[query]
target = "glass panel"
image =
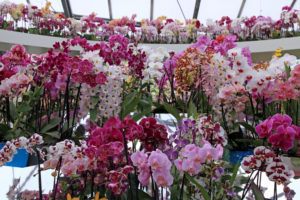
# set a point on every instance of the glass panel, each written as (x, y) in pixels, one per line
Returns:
(297, 5)
(216, 9)
(121, 8)
(16, 1)
(171, 9)
(271, 8)
(80, 7)
(55, 4)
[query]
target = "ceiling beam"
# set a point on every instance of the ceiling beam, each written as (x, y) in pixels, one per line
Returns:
(181, 10)
(196, 9)
(151, 9)
(110, 9)
(67, 8)
(293, 3)
(241, 8)
(70, 8)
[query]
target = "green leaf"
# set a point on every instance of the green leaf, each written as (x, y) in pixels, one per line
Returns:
(287, 71)
(295, 147)
(256, 191)
(12, 111)
(4, 128)
(138, 116)
(5, 25)
(53, 123)
(24, 108)
(247, 126)
(74, 176)
(295, 161)
(80, 131)
(172, 111)
(175, 192)
(235, 171)
(130, 107)
(226, 154)
(129, 104)
(192, 109)
(33, 30)
(95, 100)
(142, 195)
(54, 134)
(12, 134)
(93, 115)
(45, 31)
(200, 187)
(128, 99)
(145, 102)
(4, 131)
(254, 142)
(144, 85)
(28, 93)
(38, 91)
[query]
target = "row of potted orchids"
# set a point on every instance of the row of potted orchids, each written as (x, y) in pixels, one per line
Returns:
(93, 119)
(31, 19)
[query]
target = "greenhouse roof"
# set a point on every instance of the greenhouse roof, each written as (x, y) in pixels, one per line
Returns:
(175, 9)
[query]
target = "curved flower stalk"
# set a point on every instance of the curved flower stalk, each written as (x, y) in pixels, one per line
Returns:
(265, 160)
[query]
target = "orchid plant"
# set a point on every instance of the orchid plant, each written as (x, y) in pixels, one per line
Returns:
(91, 118)
(31, 19)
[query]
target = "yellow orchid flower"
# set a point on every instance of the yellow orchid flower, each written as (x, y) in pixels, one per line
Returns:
(46, 9)
(95, 14)
(16, 13)
(179, 22)
(143, 23)
(96, 196)
(278, 53)
(21, 6)
(189, 29)
(77, 198)
(58, 15)
(70, 198)
(162, 18)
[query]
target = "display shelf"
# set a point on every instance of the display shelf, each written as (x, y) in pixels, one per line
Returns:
(41, 43)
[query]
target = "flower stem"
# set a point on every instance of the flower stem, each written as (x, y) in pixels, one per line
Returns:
(127, 162)
(182, 187)
(58, 176)
(76, 106)
(247, 187)
(40, 176)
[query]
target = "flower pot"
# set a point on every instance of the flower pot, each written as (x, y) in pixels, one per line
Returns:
(20, 159)
(237, 156)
